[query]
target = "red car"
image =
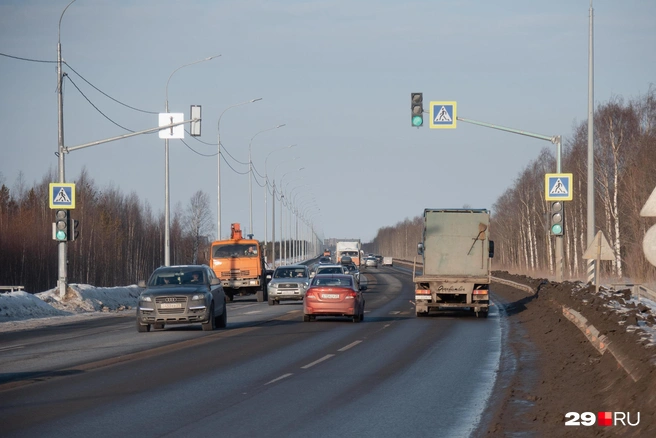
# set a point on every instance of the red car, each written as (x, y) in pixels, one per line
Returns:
(333, 295)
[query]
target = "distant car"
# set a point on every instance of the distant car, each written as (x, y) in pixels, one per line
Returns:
(182, 295)
(371, 262)
(288, 282)
(353, 270)
(325, 259)
(379, 258)
(333, 295)
(329, 269)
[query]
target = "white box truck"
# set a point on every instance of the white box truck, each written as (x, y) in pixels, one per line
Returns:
(350, 248)
(456, 252)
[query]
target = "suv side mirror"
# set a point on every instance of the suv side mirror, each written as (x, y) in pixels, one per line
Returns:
(420, 248)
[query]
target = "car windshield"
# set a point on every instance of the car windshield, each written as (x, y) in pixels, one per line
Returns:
(290, 273)
(164, 277)
(331, 270)
(333, 281)
(234, 250)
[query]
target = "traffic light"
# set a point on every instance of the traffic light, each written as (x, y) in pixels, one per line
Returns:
(61, 225)
(73, 232)
(557, 216)
(417, 109)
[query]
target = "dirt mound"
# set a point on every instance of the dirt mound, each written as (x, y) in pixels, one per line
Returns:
(567, 373)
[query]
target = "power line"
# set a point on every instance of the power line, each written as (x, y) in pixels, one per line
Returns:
(240, 162)
(27, 59)
(95, 107)
(196, 152)
(233, 169)
(107, 95)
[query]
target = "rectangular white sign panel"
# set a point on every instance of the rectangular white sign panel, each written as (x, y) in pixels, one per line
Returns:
(167, 119)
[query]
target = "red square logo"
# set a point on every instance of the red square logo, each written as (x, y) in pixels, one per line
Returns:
(605, 418)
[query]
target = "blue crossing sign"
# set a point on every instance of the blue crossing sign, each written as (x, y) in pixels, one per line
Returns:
(62, 195)
(558, 187)
(443, 114)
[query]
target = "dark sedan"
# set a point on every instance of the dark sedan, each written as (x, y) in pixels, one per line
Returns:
(182, 295)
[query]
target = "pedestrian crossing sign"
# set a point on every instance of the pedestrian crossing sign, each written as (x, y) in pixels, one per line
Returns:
(443, 115)
(62, 195)
(558, 187)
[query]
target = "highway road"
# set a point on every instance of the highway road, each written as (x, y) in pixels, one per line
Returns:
(267, 374)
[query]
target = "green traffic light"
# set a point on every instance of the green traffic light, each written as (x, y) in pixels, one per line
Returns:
(417, 120)
(61, 235)
(557, 229)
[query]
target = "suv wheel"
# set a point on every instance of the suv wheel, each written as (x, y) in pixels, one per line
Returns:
(209, 325)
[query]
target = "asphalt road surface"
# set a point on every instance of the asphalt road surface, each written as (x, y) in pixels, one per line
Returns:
(267, 374)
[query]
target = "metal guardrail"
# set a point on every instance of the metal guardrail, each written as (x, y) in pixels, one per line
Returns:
(11, 288)
(637, 290)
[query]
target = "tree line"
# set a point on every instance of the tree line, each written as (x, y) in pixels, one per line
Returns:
(121, 240)
(624, 177)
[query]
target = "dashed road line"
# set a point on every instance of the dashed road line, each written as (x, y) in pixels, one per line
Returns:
(284, 376)
(326, 357)
(351, 345)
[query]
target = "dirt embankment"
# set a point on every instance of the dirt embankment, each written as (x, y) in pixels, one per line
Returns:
(553, 367)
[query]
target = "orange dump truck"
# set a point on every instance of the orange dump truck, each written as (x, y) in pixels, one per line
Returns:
(239, 263)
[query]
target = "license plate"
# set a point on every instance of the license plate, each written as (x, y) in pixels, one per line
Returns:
(329, 296)
(170, 306)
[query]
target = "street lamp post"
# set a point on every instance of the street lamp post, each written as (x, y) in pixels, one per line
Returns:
(62, 254)
(266, 190)
(273, 204)
(297, 213)
(250, 176)
(167, 200)
(289, 203)
(218, 167)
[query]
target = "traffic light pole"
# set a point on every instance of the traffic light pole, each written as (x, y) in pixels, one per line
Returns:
(558, 142)
(62, 250)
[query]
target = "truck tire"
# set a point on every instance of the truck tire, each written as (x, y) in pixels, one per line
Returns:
(421, 314)
(260, 296)
(482, 314)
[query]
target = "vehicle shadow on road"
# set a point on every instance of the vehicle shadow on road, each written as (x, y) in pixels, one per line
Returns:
(35, 376)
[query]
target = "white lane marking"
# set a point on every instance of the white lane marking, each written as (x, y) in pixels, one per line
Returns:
(326, 357)
(284, 376)
(14, 347)
(252, 312)
(351, 345)
(395, 312)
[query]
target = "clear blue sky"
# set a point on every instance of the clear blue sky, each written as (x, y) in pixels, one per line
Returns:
(338, 73)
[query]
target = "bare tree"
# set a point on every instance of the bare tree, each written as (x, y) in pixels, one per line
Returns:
(198, 222)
